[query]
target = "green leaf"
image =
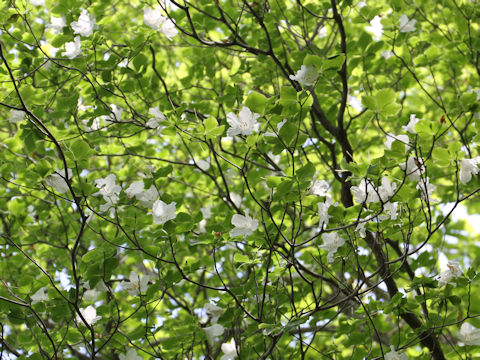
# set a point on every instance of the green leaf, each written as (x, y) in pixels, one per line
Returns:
(256, 102)
(81, 150)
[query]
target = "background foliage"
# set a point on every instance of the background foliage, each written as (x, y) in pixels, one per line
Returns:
(329, 272)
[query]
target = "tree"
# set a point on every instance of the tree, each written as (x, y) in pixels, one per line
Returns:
(239, 179)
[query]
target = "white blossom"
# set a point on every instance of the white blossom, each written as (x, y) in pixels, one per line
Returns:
(361, 229)
(244, 225)
(319, 187)
(89, 314)
(425, 187)
(57, 180)
(453, 271)
(306, 76)
(148, 197)
(116, 113)
(136, 284)
(16, 116)
(323, 211)
(213, 311)
(84, 25)
(393, 355)
(57, 24)
(387, 54)
(206, 211)
(413, 168)
(73, 48)
(468, 167)
(38, 2)
(386, 190)
(40, 295)
(392, 137)
(354, 102)
(229, 350)
(213, 331)
(331, 242)
(390, 211)
(236, 199)
(108, 188)
(376, 28)
(203, 164)
(130, 355)
(365, 192)
(322, 32)
(243, 124)
(134, 189)
(169, 29)
(153, 18)
(279, 127)
(469, 335)
(406, 25)
(162, 212)
(410, 127)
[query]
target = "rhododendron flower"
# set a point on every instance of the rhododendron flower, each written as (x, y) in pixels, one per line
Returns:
(89, 314)
(468, 167)
(453, 271)
(413, 168)
(84, 25)
(213, 331)
(469, 335)
(162, 212)
(73, 48)
(410, 127)
(393, 355)
(229, 350)
(130, 355)
(57, 180)
(331, 242)
(406, 25)
(306, 76)
(365, 192)
(137, 284)
(243, 124)
(392, 137)
(244, 225)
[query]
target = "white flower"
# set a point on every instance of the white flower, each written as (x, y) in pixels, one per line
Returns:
(153, 123)
(84, 25)
(16, 116)
(425, 187)
(156, 113)
(413, 168)
(376, 28)
(95, 124)
(469, 335)
(319, 187)
(162, 212)
(365, 192)
(73, 48)
(207, 212)
(38, 2)
(410, 127)
(323, 211)
(386, 190)
(57, 180)
(322, 32)
(236, 199)
(244, 225)
(244, 124)
(390, 211)
(213, 311)
(89, 314)
(468, 167)
(392, 137)
(57, 24)
(130, 355)
(40, 295)
(134, 189)
(387, 54)
(406, 25)
(108, 188)
(168, 29)
(116, 113)
(306, 76)
(153, 18)
(148, 197)
(393, 355)
(229, 350)
(354, 102)
(203, 164)
(361, 229)
(213, 331)
(81, 106)
(137, 284)
(453, 271)
(331, 242)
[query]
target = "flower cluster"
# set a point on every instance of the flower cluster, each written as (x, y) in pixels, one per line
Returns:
(154, 19)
